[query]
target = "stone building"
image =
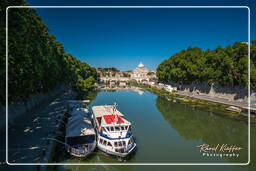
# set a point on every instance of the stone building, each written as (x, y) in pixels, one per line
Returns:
(142, 74)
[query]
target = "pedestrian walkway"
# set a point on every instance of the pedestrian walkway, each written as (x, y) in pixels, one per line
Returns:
(243, 105)
(27, 137)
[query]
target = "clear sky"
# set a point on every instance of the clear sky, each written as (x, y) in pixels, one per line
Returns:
(122, 38)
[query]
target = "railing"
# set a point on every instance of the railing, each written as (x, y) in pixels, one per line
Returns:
(82, 150)
(53, 139)
(124, 149)
(129, 147)
(128, 135)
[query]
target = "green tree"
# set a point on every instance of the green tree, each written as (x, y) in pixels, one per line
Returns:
(224, 66)
(36, 61)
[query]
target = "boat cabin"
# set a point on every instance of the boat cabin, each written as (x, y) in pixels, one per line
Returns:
(113, 131)
(110, 122)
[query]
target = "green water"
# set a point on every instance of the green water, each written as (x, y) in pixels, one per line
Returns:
(168, 132)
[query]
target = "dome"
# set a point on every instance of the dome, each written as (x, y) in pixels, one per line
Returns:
(141, 65)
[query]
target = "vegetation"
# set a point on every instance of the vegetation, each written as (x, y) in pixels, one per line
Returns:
(81, 76)
(108, 72)
(112, 69)
(224, 66)
(36, 61)
(126, 74)
(112, 72)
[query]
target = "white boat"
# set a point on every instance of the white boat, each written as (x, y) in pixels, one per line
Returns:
(80, 136)
(114, 135)
(234, 109)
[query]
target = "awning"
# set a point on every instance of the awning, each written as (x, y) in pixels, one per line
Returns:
(78, 124)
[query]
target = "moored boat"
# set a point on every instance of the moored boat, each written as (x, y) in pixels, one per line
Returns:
(234, 109)
(114, 135)
(80, 136)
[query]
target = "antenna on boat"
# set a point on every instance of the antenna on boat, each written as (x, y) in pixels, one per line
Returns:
(114, 111)
(114, 108)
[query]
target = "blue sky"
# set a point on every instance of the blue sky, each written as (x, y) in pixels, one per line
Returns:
(122, 38)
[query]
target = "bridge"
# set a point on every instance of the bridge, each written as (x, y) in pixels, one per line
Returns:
(123, 79)
(115, 79)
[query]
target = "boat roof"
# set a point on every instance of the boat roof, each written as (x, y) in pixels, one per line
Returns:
(111, 116)
(100, 111)
(78, 124)
(113, 120)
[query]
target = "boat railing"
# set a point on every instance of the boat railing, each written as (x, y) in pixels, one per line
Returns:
(129, 147)
(82, 149)
(124, 149)
(128, 135)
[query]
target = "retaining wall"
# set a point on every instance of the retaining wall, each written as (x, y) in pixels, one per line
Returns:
(236, 93)
(22, 107)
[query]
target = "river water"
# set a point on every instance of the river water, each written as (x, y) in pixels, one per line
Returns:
(169, 132)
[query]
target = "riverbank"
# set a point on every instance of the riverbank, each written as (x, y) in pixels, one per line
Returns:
(27, 136)
(20, 108)
(201, 102)
(242, 105)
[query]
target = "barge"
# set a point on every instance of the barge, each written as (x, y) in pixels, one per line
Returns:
(80, 136)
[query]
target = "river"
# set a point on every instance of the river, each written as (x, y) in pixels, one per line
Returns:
(169, 132)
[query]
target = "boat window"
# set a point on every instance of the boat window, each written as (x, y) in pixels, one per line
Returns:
(109, 144)
(126, 127)
(107, 128)
(104, 142)
(124, 143)
(101, 141)
(117, 128)
(119, 143)
(122, 127)
(129, 142)
(116, 150)
(115, 144)
(112, 128)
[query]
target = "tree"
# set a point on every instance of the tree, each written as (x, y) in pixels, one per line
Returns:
(36, 61)
(224, 66)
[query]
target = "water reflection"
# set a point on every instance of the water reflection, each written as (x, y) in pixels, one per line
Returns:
(175, 130)
(211, 129)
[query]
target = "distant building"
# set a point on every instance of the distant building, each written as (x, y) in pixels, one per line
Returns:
(139, 74)
(122, 84)
(142, 74)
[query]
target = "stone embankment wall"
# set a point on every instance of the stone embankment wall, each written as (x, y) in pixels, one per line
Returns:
(230, 93)
(22, 107)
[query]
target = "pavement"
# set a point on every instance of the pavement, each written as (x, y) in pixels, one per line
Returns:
(215, 99)
(27, 136)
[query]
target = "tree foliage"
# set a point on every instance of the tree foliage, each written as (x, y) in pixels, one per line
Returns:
(36, 61)
(224, 66)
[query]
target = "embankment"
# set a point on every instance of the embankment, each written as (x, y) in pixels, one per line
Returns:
(199, 103)
(20, 108)
(236, 93)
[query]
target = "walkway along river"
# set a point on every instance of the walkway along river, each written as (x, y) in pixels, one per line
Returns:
(168, 132)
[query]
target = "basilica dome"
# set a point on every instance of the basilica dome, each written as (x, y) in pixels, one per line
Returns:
(141, 65)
